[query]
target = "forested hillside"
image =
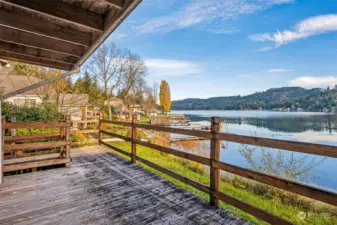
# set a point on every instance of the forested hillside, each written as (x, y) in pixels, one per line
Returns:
(286, 97)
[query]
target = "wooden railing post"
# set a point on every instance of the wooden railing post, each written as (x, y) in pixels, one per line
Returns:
(215, 155)
(13, 131)
(2, 147)
(133, 137)
(84, 115)
(62, 137)
(67, 135)
(100, 128)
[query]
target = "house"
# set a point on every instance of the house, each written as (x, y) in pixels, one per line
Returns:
(10, 83)
(72, 104)
(114, 102)
(67, 103)
(137, 109)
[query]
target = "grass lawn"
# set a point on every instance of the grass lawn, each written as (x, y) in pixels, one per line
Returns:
(322, 214)
(123, 131)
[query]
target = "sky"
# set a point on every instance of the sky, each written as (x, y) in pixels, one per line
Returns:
(208, 48)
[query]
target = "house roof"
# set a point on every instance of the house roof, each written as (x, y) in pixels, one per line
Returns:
(115, 102)
(59, 34)
(10, 83)
(115, 99)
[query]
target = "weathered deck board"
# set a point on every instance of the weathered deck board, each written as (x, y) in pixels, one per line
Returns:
(101, 188)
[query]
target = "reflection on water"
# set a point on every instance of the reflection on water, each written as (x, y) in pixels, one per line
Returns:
(276, 121)
(318, 128)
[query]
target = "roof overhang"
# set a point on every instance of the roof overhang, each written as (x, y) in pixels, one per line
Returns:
(60, 34)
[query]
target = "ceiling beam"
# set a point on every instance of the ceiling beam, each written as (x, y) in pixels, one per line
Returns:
(49, 44)
(116, 3)
(30, 51)
(65, 11)
(18, 18)
(109, 28)
(35, 60)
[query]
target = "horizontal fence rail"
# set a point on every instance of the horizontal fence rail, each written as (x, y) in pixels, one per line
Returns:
(308, 148)
(295, 187)
(42, 145)
(36, 137)
(91, 131)
(39, 150)
(35, 125)
(83, 121)
(183, 179)
(215, 137)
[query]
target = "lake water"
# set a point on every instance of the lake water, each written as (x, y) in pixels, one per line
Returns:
(320, 128)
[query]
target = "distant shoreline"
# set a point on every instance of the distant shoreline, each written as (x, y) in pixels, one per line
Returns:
(174, 110)
(282, 99)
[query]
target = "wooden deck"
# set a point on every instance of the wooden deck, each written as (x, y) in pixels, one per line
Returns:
(102, 188)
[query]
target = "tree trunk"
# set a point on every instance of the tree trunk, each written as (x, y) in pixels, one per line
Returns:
(108, 99)
(109, 108)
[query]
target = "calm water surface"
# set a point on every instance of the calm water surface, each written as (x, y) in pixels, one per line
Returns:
(308, 127)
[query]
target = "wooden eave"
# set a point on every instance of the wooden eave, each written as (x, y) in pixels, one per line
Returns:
(59, 34)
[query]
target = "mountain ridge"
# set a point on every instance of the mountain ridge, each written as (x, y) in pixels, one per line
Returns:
(315, 99)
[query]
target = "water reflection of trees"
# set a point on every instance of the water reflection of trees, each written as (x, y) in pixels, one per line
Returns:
(294, 124)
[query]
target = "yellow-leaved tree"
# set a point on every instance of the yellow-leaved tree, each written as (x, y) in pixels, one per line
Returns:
(165, 96)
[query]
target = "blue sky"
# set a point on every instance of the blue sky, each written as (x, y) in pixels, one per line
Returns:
(207, 48)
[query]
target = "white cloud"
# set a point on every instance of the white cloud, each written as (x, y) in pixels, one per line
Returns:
(198, 12)
(118, 36)
(166, 67)
(279, 70)
(304, 29)
(223, 31)
(314, 82)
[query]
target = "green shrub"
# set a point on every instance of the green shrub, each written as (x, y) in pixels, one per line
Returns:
(32, 131)
(45, 112)
(78, 138)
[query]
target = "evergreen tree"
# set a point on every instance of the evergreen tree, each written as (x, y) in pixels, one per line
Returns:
(89, 85)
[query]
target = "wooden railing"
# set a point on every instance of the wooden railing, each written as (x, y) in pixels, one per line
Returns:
(88, 117)
(33, 151)
(216, 165)
(85, 122)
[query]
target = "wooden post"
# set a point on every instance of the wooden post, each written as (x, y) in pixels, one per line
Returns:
(133, 136)
(67, 134)
(100, 128)
(13, 134)
(215, 155)
(13, 131)
(84, 115)
(2, 145)
(62, 137)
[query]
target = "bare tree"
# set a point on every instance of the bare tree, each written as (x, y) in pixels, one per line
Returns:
(107, 66)
(132, 79)
(155, 93)
(149, 104)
